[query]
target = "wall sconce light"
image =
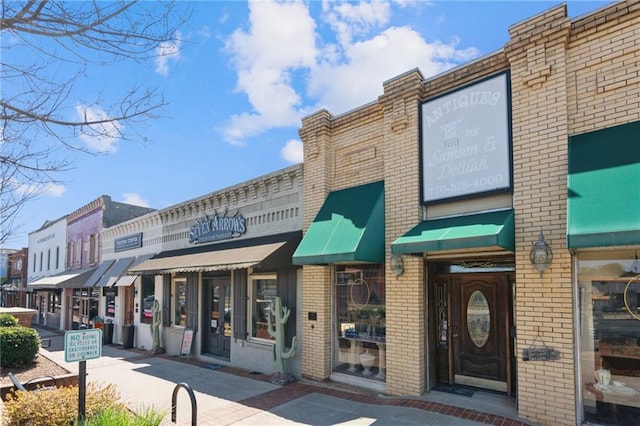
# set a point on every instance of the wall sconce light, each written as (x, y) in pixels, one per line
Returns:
(541, 254)
(397, 265)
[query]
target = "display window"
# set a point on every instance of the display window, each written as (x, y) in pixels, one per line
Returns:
(110, 293)
(608, 293)
(84, 307)
(263, 291)
(360, 330)
(179, 302)
(148, 297)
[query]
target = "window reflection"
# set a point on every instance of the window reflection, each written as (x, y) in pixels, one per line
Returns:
(361, 320)
(609, 284)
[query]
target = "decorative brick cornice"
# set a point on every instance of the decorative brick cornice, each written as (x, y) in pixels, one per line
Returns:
(314, 127)
(550, 26)
(98, 203)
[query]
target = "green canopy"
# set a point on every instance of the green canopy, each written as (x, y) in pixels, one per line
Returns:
(489, 230)
(348, 228)
(603, 206)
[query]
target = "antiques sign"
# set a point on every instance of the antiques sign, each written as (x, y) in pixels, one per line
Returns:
(216, 228)
(466, 141)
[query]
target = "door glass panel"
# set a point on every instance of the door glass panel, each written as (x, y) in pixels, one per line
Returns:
(478, 318)
(215, 309)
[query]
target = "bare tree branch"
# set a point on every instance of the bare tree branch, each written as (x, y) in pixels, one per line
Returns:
(48, 50)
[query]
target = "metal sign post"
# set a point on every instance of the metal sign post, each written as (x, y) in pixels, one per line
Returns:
(81, 345)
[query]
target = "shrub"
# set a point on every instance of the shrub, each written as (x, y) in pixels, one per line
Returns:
(58, 407)
(8, 320)
(122, 417)
(18, 345)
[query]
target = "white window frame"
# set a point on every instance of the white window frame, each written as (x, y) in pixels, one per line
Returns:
(251, 301)
(175, 282)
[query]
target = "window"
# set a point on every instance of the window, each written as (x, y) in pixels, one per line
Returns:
(79, 252)
(609, 297)
(148, 297)
(92, 249)
(57, 257)
(49, 260)
(360, 326)
(41, 256)
(69, 259)
(263, 291)
(110, 298)
(34, 262)
(179, 302)
(84, 308)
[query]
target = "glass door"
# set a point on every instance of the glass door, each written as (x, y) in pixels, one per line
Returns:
(218, 323)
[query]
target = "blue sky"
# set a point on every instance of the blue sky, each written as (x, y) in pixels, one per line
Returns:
(245, 75)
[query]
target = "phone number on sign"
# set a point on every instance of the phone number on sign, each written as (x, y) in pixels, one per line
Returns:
(466, 185)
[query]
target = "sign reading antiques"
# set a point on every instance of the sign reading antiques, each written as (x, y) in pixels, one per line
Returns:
(466, 141)
(217, 227)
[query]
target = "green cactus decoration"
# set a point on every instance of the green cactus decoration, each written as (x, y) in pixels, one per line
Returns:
(281, 315)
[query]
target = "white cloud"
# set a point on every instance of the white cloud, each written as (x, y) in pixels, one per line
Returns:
(293, 152)
(351, 19)
(49, 189)
(281, 39)
(365, 65)
(54, 189)
(168, 51)
(102, 137)
(135, 199)
(289, 66)
(205, 32)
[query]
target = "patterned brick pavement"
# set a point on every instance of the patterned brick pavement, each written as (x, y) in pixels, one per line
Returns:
(235, 412)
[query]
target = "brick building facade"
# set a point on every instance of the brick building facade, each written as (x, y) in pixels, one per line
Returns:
(462, 302)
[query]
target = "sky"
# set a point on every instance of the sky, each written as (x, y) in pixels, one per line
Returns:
(244, 74)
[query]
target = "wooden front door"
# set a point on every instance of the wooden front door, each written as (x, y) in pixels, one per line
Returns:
(480, 323)
(218, 321)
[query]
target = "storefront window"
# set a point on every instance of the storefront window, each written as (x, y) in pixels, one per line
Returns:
(263, 292)
(361, 321)
(609, 294)
(180, 302)
(84, 308)
(110, 294)
(148, 297)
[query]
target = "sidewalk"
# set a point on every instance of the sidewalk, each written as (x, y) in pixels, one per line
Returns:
(229, 396)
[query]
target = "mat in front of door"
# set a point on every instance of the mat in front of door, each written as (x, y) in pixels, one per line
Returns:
(212, 366)
(455, 389)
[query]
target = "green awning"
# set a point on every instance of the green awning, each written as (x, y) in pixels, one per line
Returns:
(348, 228)
(603, 206)
(492, 230)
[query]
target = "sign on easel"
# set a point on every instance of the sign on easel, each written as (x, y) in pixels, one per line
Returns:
(187, 339)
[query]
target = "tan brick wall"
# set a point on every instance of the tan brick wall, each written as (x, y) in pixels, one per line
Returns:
(406, 325)
(566, 78)
(543, 305)
(603, 69)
